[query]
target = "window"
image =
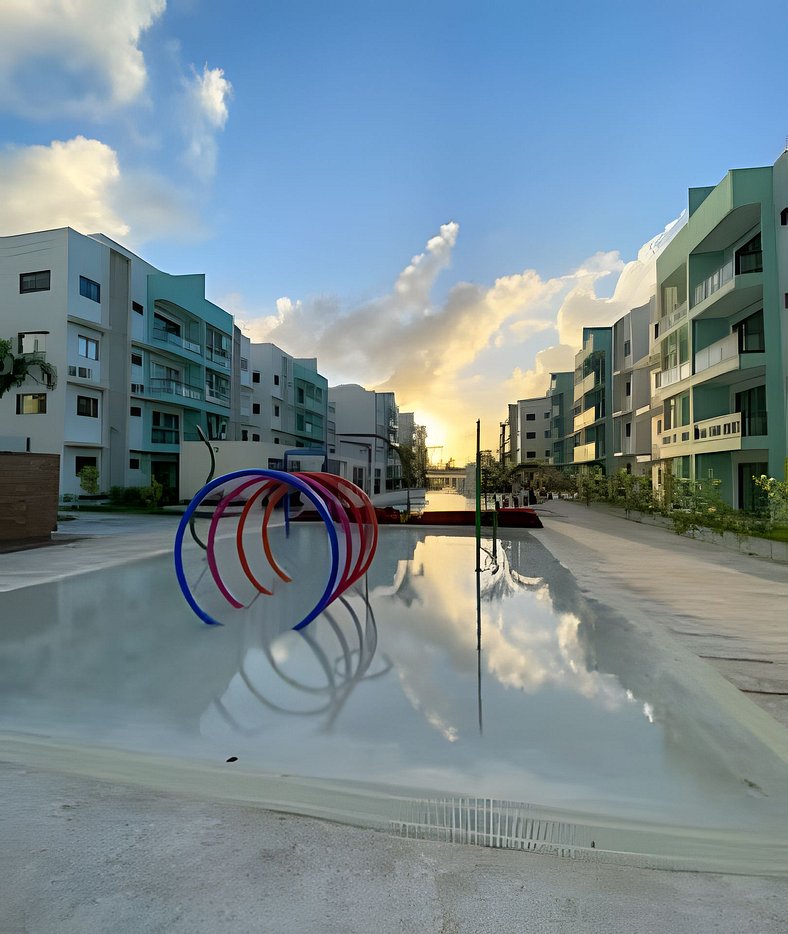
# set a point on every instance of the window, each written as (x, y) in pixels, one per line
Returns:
(88, 406)
(255, 437)
(750, 331)
(244, 434)
(627, 348)
(276, 379)
(135, 411)
(34, 403)
(88, 347)
(136, 359)
(752, 405)
(82, 462)
(244, 364)
(276, 411)
(530, 416)
(276, 440)
(784, 217)
(134, 463)
(300, 395)
(749, 257)
(89, 289)
(255, 376)
(546, 453)
(628, 430)
(34, 281)
(530, 434)
(530, 455)
(255, 408)
(546, 415)
(166, 427)
(135, 306)
(628, 387)
(547, 433)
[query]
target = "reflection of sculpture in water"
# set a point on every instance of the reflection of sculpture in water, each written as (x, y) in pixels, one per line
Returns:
(282, 691)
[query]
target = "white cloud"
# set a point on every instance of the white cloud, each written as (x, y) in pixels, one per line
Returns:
(68, 183)
(78, 183)
(205, 114)
(72, 57)
(462, 359)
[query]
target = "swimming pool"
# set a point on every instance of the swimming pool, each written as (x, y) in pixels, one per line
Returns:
(574, 730)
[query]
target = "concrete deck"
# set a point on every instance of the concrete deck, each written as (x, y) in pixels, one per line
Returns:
(79, 854)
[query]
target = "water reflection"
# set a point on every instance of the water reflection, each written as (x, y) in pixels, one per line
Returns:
(582, 708)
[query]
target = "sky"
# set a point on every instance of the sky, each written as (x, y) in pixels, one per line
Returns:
(431, 197)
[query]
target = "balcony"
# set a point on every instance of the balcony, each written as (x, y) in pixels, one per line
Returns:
(719, 434)
(219, 358)
(173, 387)
(175, 340)
(729, 291)
(665, 378)
(586, 418)
(725, 349)
(584, 453)
(217, 394)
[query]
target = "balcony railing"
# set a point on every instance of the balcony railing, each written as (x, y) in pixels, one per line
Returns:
(173, 387)
(217, 394)
(675, 374)
(584, 452)
(218, 357)
(676, 315)
(168, 337)
(715, 353)
(723, 426)
(712, 283)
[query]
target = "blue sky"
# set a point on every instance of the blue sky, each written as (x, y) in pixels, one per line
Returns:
(301, 154)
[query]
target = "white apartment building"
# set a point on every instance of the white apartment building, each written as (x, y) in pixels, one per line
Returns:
(142, 358)
(530, 437)
(364, 436)
(632, 392)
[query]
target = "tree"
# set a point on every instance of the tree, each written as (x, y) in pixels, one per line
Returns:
(16, 368)
(88, 480)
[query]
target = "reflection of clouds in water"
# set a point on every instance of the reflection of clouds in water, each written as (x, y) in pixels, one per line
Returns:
(526, 644)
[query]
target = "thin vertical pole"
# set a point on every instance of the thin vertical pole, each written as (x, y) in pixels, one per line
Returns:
(478, 496)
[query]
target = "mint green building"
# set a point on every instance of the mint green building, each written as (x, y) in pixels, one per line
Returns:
(593, 422)
(719, 338)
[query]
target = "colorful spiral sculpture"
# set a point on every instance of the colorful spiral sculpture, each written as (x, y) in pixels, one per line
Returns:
(345, 510)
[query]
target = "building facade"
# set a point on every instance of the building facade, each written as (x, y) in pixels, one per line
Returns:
(561, 396)
(593, 401)
(529, 432)
(719, 337)
(632, 392)
(142, 357)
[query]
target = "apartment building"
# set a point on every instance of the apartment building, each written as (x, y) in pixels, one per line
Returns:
(719, 336)
(143, 358)
(561, 396)
(365, 437)
(593, 400)
(529, 435)
(632, 392)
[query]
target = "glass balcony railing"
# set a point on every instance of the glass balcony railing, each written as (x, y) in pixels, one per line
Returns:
(173, 387)
(170, 337)
(714, 282)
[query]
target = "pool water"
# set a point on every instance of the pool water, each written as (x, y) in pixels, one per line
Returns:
(568, 707)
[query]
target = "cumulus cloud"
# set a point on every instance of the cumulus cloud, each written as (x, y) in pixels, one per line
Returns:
(68, 183)
(470, 355)
(73, 57)
(78, 183)
(205, 114)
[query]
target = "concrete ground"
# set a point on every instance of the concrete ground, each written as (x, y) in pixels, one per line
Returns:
(81, 855)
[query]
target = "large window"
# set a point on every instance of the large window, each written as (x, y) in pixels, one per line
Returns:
(752, 405)
(34, 403)
(88, 406)
(88, 347)
(34, 281)
(89, 289)
(749, 258)
(750, 333)
(166, 428)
